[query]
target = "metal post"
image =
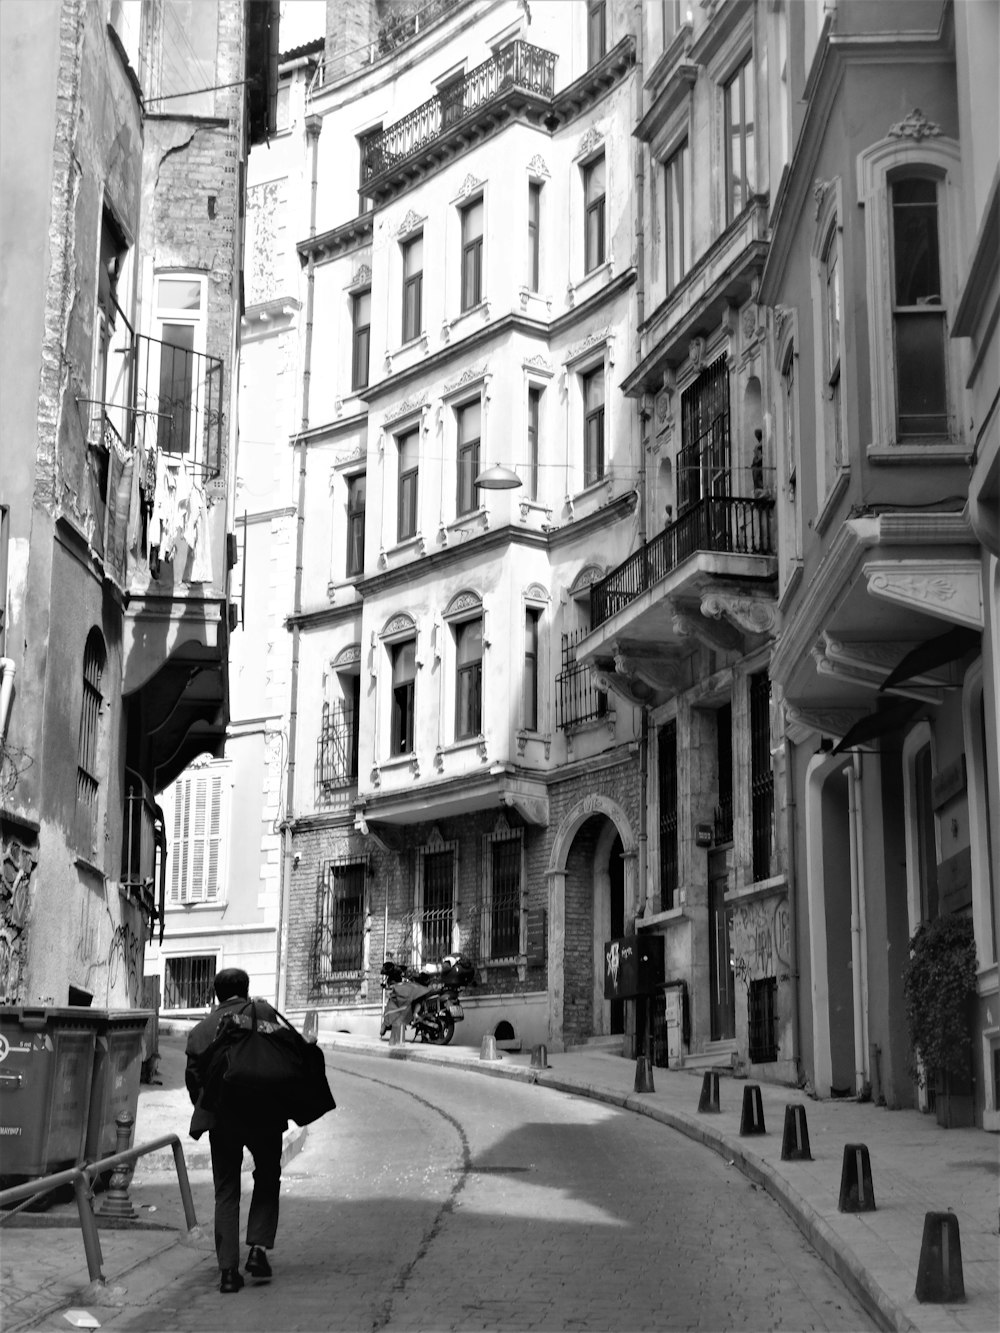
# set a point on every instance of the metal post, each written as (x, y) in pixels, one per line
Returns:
(88, 1225)
(180, 1165)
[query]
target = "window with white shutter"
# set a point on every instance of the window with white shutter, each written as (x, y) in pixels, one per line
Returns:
(196, 823)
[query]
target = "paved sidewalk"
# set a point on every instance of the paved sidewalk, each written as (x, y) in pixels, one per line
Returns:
(916, 1168)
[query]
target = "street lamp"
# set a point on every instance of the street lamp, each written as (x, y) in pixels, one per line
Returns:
(498, 478)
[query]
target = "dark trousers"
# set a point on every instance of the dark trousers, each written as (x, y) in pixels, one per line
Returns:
(228, 1142)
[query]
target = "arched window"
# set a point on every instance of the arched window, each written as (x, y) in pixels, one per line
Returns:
(88, 781)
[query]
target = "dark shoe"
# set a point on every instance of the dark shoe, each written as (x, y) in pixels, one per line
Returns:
(231, 1280)
(257, 1265)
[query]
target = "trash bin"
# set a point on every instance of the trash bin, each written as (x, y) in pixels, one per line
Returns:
(46, 1071)
(117, 1067)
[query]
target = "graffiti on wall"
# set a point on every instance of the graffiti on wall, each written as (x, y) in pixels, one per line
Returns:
(759, 938)
(16, 864)
(109, 950)
(125, 962)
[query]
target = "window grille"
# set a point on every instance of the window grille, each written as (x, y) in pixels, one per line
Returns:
(761, 775)
(577, 697)
(704, 460)
(189, 982)
(436, 917)
(341, 916)
(502, 912)
(337, 746)
(762, 1006)
(87, 780)
(667, 772)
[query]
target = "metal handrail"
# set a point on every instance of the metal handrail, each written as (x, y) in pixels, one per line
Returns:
(80, 1178)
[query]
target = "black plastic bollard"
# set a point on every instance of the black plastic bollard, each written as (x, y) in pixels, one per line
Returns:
(856, 1192)
(795, 1137)
(539, 1057)
(709, 1099)
(752, 1119)
(939, 1274)
(643, 1075)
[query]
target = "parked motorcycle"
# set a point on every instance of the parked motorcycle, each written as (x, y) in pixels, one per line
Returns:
(426, 1000)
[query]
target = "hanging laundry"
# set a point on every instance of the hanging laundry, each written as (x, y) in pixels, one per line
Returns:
(198, 536)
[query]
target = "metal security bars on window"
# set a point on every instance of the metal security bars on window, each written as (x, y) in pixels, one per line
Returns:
(339, 944)
(667, 773)
(87, 779)
(189, 982)
(436, 918)
(337, 747)
(761, 775)
(577, 697)
(762, 1005)
(502, 907)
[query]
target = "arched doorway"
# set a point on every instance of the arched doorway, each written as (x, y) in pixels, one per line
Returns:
(592, 897)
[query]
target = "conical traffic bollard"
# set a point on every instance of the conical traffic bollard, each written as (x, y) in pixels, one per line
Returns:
(795, 1138)
(643, 1075)
(539, 1057)
(752, 1119)
(939, 1274)
(857, 1195)
(709, 1099)
(488, 1050)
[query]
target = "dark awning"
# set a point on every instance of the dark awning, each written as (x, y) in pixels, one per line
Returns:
(878, 724)
(933, 653)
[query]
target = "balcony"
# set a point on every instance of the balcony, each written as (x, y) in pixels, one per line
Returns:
(719, 524)
(518, 80)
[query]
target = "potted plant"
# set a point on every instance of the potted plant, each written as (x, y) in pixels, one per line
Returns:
(939, 986)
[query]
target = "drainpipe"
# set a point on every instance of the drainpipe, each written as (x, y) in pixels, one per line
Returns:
(857, 941)
(793, 961)
(314, 124)
(640, 300)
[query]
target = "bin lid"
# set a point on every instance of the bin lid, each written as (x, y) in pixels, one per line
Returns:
(37, 1017)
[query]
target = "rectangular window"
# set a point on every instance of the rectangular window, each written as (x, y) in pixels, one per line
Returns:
(761, 775)
(761, 1014)
(404, 674)
(409, 445)
(534, 235)
(594, 186)
(741, 166)
(88, 781)
(188, 383)
(413, 286)
(593, 429)
(337, 747)
(919, 331)
(502, 909)
(703, 462)
(469, 679)
(677, 185)
(189, 983)
(469, 426)
(361, 319)
(667, 775)
(356, 493)
(194, 855)
(340, 928)
(532, 617)
(597, 34)
(534, 407)
(831, 334)
(437, 911)
(472, 255)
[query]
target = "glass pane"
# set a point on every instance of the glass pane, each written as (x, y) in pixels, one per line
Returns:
(413, 256)
(915, 242)
(408, 451)
(594, 180)
(178, 294)
(176, 387)
(404, 661)
(920, 373)
(749, 164)
(469, 642)
(472, 221)
(593, 391)
(357, 487)
(469, 422)
(363, 309)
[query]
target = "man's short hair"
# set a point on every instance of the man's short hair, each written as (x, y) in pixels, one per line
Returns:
(231, 983)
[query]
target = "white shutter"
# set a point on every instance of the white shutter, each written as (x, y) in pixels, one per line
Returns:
(213, 838)
(196, 853)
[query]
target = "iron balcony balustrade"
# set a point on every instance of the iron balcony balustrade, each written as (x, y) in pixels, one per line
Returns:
(474, 104)
(718, 523)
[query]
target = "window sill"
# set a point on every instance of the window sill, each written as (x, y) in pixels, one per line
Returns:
(89, 867)
(596, 277)
(666, 918)
(466, 743)
(761, 888)
(398, 761)
(185, 908)
(481, 308)
(924, 453)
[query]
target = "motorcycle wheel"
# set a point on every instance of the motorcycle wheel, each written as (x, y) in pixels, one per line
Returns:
(445, 1032)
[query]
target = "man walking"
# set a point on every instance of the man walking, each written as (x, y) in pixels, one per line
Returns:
(229, 1135)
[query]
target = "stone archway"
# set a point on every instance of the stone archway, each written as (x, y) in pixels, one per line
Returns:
(617, 824)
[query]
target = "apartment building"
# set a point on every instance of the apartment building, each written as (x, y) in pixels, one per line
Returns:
(457, 780)
(122, 221)
(879, 271)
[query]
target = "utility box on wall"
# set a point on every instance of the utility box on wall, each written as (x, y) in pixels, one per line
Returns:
(633, 965)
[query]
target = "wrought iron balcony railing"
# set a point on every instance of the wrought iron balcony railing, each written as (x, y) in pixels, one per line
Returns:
(578, 699)
(721, 523)
(518, 66)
